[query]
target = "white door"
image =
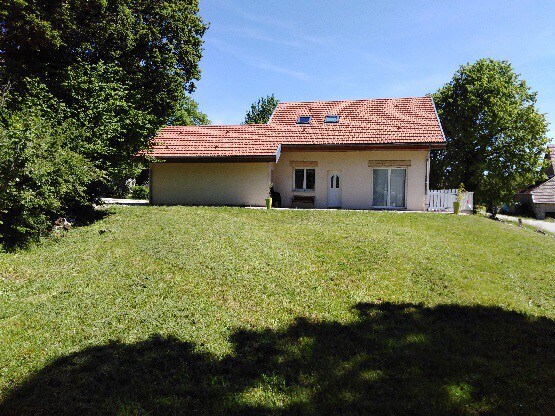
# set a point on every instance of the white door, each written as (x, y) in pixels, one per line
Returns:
(334, 189)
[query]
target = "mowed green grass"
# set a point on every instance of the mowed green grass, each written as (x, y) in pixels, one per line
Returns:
(191, 310)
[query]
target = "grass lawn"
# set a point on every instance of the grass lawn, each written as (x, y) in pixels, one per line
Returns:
(176, 310)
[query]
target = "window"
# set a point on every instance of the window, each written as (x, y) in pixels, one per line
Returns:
(303, 120)
(304, 179)
(331, 119)
(389, 187)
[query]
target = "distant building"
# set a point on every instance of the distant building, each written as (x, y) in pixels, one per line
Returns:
(541, 196)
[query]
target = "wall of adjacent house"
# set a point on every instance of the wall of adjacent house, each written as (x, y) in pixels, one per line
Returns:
(541, 210)
(356, 176)
(240, 184)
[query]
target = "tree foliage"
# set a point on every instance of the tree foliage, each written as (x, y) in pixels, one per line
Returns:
(121, 67)
(41, 178)
(495, 135)
(157, 44)
(102, 104)
(261, 111)
(188, 113)
(91, 81)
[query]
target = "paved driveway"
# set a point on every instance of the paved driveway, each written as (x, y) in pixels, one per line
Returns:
(118, 201)
(548, 227)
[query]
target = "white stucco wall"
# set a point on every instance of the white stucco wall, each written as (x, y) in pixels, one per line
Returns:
(356, 176)
(209, 183)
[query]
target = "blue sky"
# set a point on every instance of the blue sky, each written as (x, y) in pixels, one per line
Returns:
(318, 50)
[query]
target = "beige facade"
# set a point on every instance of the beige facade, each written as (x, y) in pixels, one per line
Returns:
(355, 171)
(240, 184)
(246, 184)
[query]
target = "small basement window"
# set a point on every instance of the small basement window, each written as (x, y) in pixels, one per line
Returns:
(303, 120)
(331, 119)
(304, 179)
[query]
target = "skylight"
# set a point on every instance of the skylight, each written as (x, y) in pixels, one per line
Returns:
(303, 120)
(331, 119)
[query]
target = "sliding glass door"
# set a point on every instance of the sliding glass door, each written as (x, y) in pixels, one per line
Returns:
(381, 187)
(397, 187)
(389, 188)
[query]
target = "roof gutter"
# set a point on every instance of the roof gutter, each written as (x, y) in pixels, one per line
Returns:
(215, 159)
(361, 146)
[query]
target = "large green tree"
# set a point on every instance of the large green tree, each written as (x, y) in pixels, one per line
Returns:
(495, 134)
(113, 127)
(188, 114)
(156, 43)
(90, 81)
(261, 111)
(122, 68)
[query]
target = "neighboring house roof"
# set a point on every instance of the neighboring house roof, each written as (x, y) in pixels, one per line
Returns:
(391, 121)
(543, 193)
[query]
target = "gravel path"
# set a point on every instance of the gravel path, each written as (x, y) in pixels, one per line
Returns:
(548, 227)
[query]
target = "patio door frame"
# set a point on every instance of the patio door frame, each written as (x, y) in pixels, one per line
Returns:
(388, 206)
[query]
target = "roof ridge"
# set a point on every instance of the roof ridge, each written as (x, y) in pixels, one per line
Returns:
(213, 125)
(356, 99)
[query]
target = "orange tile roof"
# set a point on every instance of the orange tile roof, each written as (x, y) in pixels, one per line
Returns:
(363, 122)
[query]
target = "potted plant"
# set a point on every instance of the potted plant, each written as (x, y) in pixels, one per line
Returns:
(269, 198)
(457, 203)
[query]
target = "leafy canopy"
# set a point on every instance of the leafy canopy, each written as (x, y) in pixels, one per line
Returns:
(261, 111)
(157, 45)
(102, 103)
(495, 135)
(90, 81)
(122, 68)
(188, 114)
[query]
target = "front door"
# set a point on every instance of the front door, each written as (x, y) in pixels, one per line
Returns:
(334, 189)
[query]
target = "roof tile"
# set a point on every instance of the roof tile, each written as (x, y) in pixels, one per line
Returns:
(377, 121)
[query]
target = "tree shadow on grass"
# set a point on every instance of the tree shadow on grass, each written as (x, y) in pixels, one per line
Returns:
(395, 359)
(78, 218)
(90, 215)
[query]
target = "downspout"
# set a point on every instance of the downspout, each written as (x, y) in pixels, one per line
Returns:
(150, 183)
(428, 162)
(427, 181)
(430, 150)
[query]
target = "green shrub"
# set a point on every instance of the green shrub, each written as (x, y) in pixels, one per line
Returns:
(480, 209)
(139, 192)
(40, 177)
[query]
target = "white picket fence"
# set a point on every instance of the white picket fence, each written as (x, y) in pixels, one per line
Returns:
(442, 200)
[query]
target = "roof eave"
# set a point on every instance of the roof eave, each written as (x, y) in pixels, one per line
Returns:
(363, 146)
(215, 159)
(437, 117)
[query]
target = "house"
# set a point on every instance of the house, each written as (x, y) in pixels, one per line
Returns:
(358, 154)
(540, 198)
